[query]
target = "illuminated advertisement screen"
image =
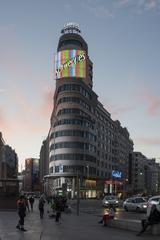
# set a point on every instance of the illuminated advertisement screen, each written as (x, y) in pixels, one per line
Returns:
(70, 63)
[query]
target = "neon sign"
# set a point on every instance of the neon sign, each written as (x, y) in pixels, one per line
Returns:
(116, 174)
(70, 63)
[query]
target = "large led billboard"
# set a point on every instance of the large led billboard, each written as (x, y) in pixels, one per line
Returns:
(70, 63)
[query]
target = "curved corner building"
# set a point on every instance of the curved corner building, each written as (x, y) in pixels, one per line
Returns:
(82, 137)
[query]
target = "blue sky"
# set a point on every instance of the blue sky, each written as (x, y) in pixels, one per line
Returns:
(123, 39)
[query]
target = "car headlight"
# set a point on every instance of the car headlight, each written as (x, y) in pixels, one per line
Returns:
(106, 202)
(145, 206)
(116, 201)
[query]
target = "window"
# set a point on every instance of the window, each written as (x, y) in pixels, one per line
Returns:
(80, 145)
(71, 42)
(74, 156)
(74, 87)
(74, 100)
(80, 122)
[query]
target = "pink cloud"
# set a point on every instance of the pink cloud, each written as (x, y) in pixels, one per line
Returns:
(47, 104)
(4, 124)
(31, 117)
(148, 141)
(147, 99)
(26, 116)
(151, 4)
(153, 104)
(117, 111)
(12, 57)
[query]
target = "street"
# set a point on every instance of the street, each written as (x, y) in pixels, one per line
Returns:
(85, 226)
(94, 207)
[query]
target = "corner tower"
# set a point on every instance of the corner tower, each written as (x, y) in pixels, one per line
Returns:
(72, 58)
(72, 140)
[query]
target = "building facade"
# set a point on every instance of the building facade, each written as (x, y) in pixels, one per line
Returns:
(2, 157)
(8, 161)
(31, 176)
(44, 160)
(145, 175)
(87, 149)
(11, 160)
(9, 185)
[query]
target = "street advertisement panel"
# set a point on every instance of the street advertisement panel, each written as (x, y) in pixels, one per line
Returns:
(70, 63)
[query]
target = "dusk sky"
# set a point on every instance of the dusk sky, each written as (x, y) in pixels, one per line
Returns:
(123, 38)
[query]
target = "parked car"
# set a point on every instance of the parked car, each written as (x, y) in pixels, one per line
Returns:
(137, 204)
(152, 200)
(110, 199)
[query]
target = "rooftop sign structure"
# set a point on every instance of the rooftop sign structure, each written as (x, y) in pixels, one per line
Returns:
(71, 28)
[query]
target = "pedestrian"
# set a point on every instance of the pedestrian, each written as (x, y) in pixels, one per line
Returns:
(41, 206)
(31, 201)
(21, 207)
(26, 202)
(153, 218)
(110, 214)
(58, 208)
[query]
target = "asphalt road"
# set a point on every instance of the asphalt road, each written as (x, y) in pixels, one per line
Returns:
(94, 207)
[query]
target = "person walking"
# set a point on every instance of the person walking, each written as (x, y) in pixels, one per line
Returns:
(31, 201)
(41, 206)
(153, 218)
(58, 209)
(26, 202)
(21, 207)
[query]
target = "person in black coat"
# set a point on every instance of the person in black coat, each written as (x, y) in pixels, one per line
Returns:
(31, 201)
(41, 206)
(21, 207)
(153, 218)
(58, 209)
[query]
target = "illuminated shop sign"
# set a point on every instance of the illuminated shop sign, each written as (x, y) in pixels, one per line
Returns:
(116, 174)
(70, 63)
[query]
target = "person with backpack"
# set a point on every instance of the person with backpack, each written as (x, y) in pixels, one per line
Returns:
(41, 206)
(21, 207)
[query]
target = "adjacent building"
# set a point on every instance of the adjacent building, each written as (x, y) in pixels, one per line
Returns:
(31, 175)
(9, 185)
(44, 161)
(2, 156)
(8, 161)
(145, 175)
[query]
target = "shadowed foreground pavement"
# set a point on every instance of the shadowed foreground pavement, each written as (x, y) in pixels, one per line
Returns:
(83, 227)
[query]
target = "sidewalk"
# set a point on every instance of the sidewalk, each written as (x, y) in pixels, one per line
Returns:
(73, 227)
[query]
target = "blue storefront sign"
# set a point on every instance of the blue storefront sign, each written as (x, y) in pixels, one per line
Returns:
(116, 174)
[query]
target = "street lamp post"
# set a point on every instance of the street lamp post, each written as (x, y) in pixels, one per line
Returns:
(78, 193)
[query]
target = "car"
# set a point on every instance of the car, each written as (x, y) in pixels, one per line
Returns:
(151, 201)
(137, 204)
(110, 200)
(154, 200)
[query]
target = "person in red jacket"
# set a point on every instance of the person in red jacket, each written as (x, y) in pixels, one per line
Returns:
(108, 215)
(21, 207)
